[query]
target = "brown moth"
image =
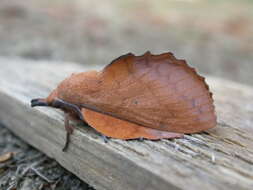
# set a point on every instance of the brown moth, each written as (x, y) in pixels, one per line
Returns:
(148, 96)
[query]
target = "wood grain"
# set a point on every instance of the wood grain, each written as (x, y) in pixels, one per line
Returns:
(221, 158)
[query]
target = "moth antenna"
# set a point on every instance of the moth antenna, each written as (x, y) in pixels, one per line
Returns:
(38, 102)
(58, 103)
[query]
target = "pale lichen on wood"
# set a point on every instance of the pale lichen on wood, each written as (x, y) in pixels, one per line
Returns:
(221, 158)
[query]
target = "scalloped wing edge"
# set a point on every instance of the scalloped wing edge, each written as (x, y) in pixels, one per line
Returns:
(181, 62)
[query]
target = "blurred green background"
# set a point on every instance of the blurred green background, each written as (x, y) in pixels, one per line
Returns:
(214, 36)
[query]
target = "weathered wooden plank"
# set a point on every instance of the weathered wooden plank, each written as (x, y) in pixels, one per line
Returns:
(221, 158)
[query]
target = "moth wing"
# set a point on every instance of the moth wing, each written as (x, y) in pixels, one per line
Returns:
(116, 128)
(157, 91)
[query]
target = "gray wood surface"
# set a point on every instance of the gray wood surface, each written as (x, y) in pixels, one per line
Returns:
(221, 158)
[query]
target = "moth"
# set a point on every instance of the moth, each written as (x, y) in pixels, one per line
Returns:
(148, 96)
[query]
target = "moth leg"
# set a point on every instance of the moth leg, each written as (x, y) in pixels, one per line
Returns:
(105, 138)
(69, 130)
(141, 139)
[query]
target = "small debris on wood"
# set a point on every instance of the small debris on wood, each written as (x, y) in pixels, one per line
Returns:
(213, 158)
(23, 167)
(5, 157)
